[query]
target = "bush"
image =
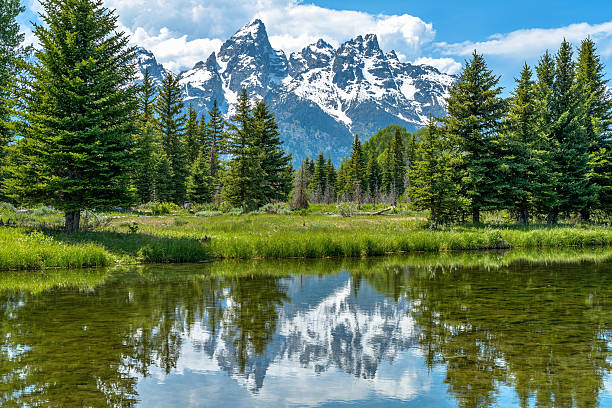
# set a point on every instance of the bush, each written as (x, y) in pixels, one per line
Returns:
(44, 210)
(179, 222)
(8, 207)
(275, 208)
(208, 213)
(164, 208)
(236, 211)
(347, 209)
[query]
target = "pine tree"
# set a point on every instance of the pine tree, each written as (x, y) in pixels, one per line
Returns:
(215, 139)
(199, 183)
(275, 163)
(546, 197)
(170, 124)
(163, 191)
(520, 144)
(243, 182)
(319, 178)
(81, 111)
(374, 177)
(330, 185)
(356, 180)
(192, 137)
(475, 109)
(146, 151)
(598, 123)
(300, 197)
(434, 188)
(572, 158)
(397, 166)
(11, 56)
(146, 97)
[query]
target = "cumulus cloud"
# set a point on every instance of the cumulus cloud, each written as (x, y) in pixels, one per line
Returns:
(183, 32)
(530, 43)
(447, 65)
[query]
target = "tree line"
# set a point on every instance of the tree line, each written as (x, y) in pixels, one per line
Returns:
(543, 153)
(78, 134)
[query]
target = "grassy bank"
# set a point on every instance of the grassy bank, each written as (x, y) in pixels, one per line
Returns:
(129, 239)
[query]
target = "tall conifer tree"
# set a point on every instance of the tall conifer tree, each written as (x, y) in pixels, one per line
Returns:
(81, 111)
(171, 127)
(215, 139)
(575, 190)
(598, 122)
(274, 162)
(192, 137)
(475, 109)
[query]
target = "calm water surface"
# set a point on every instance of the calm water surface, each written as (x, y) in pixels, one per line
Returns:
(389, 332)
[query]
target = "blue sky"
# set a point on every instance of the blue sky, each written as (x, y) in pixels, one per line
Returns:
(442, 33)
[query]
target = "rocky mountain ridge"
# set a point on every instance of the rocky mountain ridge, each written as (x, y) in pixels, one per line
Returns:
(321, 96)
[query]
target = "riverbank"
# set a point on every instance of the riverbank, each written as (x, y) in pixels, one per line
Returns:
(129, 239)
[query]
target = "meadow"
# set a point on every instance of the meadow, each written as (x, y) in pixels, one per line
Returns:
(36, 241)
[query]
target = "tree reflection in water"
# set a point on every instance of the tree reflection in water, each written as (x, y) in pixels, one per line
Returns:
(543, 330)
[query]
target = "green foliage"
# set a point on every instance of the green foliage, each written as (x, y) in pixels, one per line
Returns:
(75, 152)
(170, 124)
(193, 139)
(164, 208)
(475, 110)
(214, 138)
(346, 209)
(275, 208)
(199, 182)
(432, 176)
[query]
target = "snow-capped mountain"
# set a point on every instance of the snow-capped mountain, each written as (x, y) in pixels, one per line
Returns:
(321, 96)
(145, 60)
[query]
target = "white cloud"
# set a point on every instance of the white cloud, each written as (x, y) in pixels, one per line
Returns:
(447, 65)
(530, 43)
(183, 32)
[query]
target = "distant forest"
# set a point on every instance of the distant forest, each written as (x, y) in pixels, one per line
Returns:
(79, 134)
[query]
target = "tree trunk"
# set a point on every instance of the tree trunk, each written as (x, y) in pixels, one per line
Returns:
(585, 215)
(73, 221)
(553, 217)
(524, 216)
(476, 216)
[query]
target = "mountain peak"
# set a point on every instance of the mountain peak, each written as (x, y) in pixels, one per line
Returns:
(255, 29)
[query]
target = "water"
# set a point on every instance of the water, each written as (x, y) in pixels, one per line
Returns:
(390, 332)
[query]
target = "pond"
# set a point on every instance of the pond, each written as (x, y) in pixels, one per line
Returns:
(467, 330)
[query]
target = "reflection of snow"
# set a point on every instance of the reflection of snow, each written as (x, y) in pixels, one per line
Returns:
(340, 344)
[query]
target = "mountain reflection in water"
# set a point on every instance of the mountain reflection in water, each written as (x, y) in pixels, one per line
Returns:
(311, 333)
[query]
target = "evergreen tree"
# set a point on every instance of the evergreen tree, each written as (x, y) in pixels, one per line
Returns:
(146, 98)
(475, 109)
(170, 126)
(356, 180)
(319, 178)
(520, 144)
(199, 182)
(192, 135)
(214, 138)
(300, 197)
(75, 153)
(397, 166)
(575, 191)
(274, 162)
(244, 180)
(546, 197)
(11, 55)
(163, 190)
(330, 185)
(434, 188)
(146, 151)
(598, 123)
(374, 177)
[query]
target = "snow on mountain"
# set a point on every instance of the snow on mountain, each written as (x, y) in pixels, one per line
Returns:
(321, 96)
(145, 60)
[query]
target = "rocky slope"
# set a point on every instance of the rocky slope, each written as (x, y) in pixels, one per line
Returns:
(321, 96)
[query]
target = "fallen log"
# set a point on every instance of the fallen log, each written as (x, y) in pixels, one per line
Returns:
(377, 212)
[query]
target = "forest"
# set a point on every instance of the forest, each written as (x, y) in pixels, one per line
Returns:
(80, 133)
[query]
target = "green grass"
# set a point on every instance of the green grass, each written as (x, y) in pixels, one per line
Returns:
(21, 249)
(317, 236)
(131, 239)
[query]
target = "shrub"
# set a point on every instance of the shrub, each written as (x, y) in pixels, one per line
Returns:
(44, 210)
(236, 211)
(179, 222)
(275, 208)
(164, 208)
(208, 213)
(346, 209)
(8, 207)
